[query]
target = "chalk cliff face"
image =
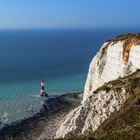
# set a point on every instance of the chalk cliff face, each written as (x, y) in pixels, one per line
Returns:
(116, 58)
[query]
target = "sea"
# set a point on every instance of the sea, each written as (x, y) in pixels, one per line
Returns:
(60, 57)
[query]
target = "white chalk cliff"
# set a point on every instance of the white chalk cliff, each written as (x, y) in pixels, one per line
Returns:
(116, 58)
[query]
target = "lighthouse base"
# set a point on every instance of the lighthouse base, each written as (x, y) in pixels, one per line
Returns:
(44, 94)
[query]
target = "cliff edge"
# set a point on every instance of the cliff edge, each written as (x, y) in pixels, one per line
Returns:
(116, 59)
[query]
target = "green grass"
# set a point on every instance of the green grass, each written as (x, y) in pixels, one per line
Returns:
(124, 37)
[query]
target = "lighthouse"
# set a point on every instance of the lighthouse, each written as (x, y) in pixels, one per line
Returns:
(42, 90)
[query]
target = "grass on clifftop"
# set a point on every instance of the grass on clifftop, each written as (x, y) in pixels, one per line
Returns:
(124, 124)
(124, 37)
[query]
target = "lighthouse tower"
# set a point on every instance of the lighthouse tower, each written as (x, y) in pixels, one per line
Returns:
(42, 90)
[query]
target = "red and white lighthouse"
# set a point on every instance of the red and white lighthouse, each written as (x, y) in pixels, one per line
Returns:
(42, 90)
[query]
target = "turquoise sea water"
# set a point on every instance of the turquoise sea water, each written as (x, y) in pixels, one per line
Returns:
(59, 56)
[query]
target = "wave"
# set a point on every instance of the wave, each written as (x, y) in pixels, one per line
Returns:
(4, 119)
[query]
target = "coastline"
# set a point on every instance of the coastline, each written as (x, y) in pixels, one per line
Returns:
(42, 125)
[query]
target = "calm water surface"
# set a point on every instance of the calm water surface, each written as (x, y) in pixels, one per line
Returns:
(59, 56)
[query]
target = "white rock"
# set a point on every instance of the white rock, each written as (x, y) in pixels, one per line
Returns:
(95, 108)
(91, 113)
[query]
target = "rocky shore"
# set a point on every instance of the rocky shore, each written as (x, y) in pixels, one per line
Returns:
(43, 125)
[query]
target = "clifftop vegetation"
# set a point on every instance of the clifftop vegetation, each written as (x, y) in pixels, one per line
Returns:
(123, 37)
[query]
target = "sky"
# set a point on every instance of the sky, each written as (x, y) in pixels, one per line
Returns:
(69, 13)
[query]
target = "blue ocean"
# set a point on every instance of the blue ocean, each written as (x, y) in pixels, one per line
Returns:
(60, 57)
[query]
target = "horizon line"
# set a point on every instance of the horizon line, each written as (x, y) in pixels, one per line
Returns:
(5, 28)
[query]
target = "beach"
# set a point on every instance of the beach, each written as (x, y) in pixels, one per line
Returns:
(43, 125)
